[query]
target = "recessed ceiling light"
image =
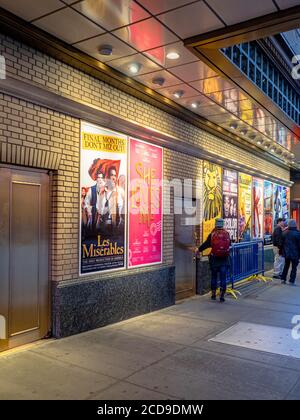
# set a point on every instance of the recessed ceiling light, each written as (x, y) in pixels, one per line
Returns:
(266, 146)
(233, 125)
(134, 68)
(194, 105)
(178, 93)
(105, 49)
(244, 131)
(272, 150)
(258, 142)
(173, 55)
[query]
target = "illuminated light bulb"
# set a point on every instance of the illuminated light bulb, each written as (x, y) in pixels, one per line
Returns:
(173, 55)
(134, 68)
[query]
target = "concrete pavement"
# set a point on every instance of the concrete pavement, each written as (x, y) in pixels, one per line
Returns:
(163, 355)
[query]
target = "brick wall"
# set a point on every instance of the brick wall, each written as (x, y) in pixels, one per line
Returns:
(23, 123)
(26, 63)
(25, 126)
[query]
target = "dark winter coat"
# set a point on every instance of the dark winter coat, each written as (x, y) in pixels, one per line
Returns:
(277, 236)
(291, 244)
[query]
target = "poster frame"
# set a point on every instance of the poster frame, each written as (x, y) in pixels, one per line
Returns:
(255, 178)
(162, 203)
(110, 270)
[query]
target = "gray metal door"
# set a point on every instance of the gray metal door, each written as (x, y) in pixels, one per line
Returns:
(24, 285)
(185, 243)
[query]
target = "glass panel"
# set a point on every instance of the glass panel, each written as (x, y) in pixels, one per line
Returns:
(258, 77)
(245, 47)
(251, 72)
(265, 66)
(264, 84)
(236, 55)
(252, 51)
(244, 64)
(270, 89)
(271, 71)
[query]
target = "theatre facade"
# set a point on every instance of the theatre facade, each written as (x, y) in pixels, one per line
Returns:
(105, 194)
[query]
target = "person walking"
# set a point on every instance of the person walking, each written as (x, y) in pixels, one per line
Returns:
(277, 242)
(219, 242)
(291, 251)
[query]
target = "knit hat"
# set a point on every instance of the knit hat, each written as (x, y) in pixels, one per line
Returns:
(292, 223)
(220, 223)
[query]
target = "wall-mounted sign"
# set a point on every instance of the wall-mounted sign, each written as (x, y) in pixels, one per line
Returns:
(103, 173)
(277, 205)
(230, 202)
(258, 209)
(145, 204)
(245, 209)
(212, 198)
(285, 203)
(268, 211)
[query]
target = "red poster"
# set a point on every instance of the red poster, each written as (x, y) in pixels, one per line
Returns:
(145, 204)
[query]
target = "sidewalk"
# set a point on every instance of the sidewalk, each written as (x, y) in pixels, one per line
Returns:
(163, 355)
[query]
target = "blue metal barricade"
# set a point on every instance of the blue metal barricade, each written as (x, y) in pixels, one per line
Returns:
(247, 262)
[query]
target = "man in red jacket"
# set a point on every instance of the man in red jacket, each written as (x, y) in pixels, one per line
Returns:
(219, 242)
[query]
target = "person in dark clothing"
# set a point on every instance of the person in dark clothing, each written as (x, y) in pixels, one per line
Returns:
(219, 241)
(291, 251)
(277, 239)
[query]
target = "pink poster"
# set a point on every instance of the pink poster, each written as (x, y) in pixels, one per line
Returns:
(145, 204)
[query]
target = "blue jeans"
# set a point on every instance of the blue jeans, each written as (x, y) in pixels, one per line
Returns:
(222, 269)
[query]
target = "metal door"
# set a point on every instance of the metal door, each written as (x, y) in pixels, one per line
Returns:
(24, 285)
(186, 234)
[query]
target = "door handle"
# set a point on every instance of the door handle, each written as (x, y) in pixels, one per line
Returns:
(2, 328)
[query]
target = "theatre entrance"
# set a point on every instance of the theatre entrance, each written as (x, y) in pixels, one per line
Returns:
(24, 242)
(186, 237)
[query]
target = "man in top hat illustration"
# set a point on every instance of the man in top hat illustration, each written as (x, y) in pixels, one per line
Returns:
(105, 200)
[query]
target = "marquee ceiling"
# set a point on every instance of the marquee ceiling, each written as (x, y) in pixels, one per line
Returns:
(143, 34)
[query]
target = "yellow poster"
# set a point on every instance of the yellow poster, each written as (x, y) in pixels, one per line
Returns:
(212, 198)
(245, 206)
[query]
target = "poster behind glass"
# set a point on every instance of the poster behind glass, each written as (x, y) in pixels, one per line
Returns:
(103, 172)
(258, 209)
(245, 209)
(277, 203)
(286, 203)
(212, 198)
(145, 204)
(230, 202)
(268, 211)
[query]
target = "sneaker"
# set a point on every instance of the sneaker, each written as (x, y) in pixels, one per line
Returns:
(292, 283)
(213, 297)
(276, 276)
(283, 281)
(222, 299)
